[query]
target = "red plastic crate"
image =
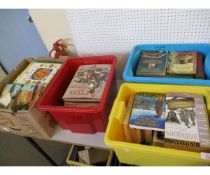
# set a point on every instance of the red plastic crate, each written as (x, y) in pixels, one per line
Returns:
(79, 119)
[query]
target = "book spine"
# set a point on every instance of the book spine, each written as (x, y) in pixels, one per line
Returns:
(148, 136)
(203, 122)
(131, 134)
(200, 67)
(180, 143)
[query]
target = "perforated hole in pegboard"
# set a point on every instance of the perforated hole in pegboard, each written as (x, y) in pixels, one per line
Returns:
(116, 31)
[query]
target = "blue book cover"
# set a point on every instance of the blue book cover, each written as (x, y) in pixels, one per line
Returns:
(148, 111)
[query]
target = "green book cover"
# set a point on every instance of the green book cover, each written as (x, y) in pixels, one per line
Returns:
(152, 63)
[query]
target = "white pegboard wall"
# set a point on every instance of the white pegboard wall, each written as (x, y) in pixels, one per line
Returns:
(116, 31)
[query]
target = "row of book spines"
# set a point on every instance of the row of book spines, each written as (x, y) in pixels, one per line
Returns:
(149, 137)
(133, 135)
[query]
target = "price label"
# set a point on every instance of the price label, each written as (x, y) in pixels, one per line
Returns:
(205, 156)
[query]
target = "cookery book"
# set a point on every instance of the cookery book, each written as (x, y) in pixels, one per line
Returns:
(152, 63)
(182, 63)
(148, 111)
(88, 83)
(186, 123)
(38, 73)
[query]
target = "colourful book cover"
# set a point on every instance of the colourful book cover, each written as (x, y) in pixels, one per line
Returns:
(152, 63)
(148, 111)
(38, 73)
(182, 63)
(20, 97)
(88, 83)
(186, 123)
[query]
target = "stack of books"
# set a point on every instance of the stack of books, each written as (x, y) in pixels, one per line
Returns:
(175, 120)
(87, 86)
(171, 64)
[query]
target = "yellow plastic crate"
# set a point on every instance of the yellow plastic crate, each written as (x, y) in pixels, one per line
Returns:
(145, 155)
(76, 163)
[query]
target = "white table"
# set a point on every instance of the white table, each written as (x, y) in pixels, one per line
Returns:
(66, 136)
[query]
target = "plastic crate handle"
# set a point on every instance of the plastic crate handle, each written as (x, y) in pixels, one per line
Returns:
(118, 110)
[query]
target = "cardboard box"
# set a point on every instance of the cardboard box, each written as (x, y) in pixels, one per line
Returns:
(32, 123)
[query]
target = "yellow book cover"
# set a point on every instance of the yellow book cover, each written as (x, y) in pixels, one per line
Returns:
(38, 73)
(182, 63)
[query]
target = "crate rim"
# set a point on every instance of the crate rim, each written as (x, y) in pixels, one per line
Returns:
(116, 144)
(89, 109)
(164, 80)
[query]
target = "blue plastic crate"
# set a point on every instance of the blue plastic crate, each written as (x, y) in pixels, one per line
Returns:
(130, 68)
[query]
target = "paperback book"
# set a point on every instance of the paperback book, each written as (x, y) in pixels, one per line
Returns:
(148, 111)
(186, 123)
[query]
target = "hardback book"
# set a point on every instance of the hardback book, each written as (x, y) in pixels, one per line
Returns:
(38, 73)
(200, 67)
(179, 76)
(186, 123)
(158, 138)
(132, 135)
(148, 111)
(152, 63)
(88, 83)
(182, 63)
(147, 134)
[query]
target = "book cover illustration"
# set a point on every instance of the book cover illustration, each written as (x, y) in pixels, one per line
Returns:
(38, 73)
(182, 63)
(20, 97)
(88, 83)
(181, 126)
(148, 111)
(152, 63)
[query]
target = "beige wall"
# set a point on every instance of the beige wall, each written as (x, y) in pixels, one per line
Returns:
(52, 25)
